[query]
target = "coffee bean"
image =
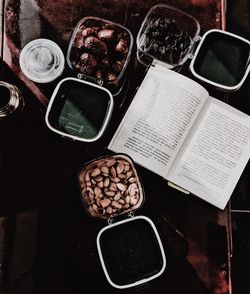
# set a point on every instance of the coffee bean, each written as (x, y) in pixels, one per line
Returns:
(100, 51)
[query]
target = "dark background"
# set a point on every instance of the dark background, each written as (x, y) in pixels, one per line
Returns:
(238, 21)
(47, 242)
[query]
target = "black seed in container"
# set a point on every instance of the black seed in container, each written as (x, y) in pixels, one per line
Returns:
(162, 50)
(165, 40)
(156, 48)
(172, 27)
(155, 34)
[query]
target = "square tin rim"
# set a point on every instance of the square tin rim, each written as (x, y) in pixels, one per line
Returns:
(169, 7)
(217, 85)
(128, 211)
(105, 122)
(108, 22)
(142, 281)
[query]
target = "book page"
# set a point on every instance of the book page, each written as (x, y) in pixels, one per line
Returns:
(213, 157)
(158, 119)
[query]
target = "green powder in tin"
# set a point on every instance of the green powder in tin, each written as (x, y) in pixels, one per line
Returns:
(79, 109)
(222, 59)
(4, 96)
(131, 252)
(75, 122)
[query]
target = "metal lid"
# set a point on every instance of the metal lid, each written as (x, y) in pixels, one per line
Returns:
(131, 252)
(10, 100)
(42, 60)
(222, 59)
(79, 110)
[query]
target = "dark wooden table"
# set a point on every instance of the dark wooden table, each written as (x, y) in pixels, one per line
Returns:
(47, 242)
(239, 23)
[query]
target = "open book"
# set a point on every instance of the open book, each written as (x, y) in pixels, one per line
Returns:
(175, 129)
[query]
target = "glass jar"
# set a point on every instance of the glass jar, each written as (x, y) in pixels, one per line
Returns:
(10, 100)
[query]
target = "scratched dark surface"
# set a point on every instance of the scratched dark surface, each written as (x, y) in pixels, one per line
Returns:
(239, 23)
(47, 242)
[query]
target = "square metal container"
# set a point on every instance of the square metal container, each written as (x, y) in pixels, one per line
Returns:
(79, 110)
(130, 250)
(222, 60)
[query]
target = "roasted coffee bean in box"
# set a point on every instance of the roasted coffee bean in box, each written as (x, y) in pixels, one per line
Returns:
(110, 186)
(100, 49)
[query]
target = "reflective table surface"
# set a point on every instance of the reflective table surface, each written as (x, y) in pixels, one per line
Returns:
(47, 241)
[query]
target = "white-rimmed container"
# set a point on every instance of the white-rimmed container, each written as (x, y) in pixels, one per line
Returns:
(79, 110)
(130, 250)
(221, 58)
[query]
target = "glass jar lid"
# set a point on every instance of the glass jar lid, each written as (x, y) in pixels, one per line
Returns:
(42, 60)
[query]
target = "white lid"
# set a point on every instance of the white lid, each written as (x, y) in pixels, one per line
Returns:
(103, 262)
(220, 86)
(42, 60)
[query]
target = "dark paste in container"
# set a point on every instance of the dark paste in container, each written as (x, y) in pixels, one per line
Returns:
(79, 109)
(131, 252)
(222, 59)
